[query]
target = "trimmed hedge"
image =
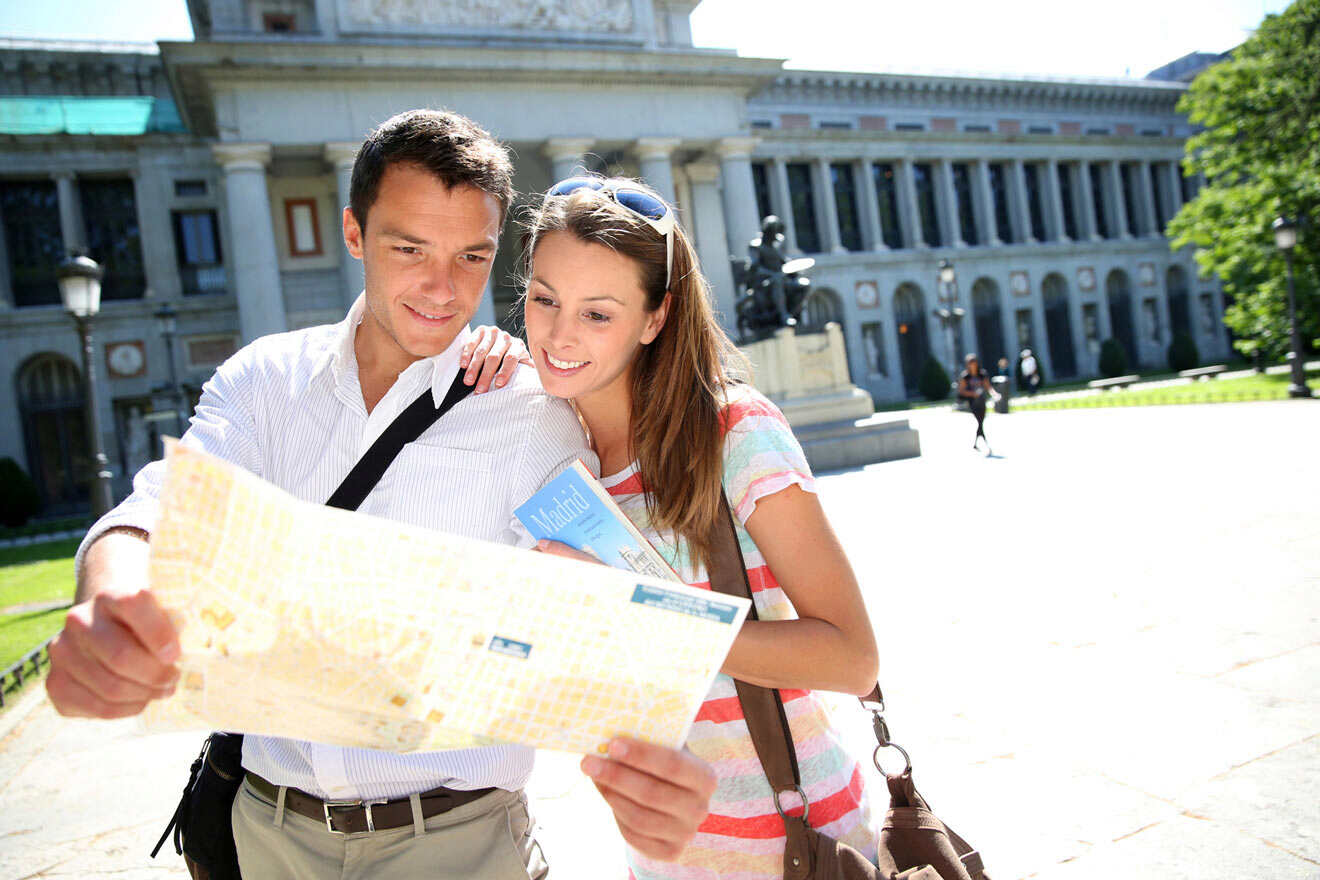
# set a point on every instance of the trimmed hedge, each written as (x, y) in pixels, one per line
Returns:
(1183, 354)
(19, 498)
(1113, 359)
(934, 381)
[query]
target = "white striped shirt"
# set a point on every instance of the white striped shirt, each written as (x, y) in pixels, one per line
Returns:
(289, 409)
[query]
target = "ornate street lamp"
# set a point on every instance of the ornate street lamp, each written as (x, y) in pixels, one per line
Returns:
(79, 278)
(1285, 238)
(167, 323)
(949, 312)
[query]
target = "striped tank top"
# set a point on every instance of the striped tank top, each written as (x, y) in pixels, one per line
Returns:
(743, 836)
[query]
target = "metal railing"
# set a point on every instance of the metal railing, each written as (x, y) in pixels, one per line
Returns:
(12, 678)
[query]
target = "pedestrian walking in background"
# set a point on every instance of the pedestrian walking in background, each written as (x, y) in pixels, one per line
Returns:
(1030, 372)
(974, 387)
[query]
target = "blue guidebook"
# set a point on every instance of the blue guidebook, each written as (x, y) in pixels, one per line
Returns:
(576, 510)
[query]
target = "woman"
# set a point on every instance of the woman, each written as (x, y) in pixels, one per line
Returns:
(619, 321)
(974, 386)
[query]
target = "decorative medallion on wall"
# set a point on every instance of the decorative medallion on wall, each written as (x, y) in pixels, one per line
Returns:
(126, 360)
(1086, 279)
(867, 294)
(1019, 283)
(1146, 274)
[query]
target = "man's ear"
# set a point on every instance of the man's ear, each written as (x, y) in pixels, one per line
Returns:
(352, 234)
(655, 321)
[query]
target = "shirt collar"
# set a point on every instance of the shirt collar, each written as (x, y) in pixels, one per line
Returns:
(342, 358)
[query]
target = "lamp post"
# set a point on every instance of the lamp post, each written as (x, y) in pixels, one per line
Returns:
(167, 324)
(1285, 238)
(949, 312)
(79, 278)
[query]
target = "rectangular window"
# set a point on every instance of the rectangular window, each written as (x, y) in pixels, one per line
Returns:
(976, 128)
(835, 125)
(924, 178)
(1151, 132)
(1039, 129)
(33, 239)
(1096, 182)
(1161, 208)
(761, 184)
(886, 196)
(303, 227)
(1097, 131)
(873, 346)
(962, 190)
(187, 188)
(197, 249)
(278, 23)
(762, 123)
(909, 126)
(109, 210)
(1152, 314)
(1025, 329)
(999, 194)
(845, 205)
(803, 198)
(1091, 322)
(1035, 201)
(1129, 198)
(1066, 197)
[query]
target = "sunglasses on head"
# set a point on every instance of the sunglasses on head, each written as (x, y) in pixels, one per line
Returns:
(653, 210)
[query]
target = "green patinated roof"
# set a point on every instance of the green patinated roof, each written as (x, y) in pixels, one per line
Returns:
(69, 115)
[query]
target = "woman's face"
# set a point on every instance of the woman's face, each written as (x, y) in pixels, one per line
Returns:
(586, 316)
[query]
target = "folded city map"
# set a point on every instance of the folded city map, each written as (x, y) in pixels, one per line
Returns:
(303, 621)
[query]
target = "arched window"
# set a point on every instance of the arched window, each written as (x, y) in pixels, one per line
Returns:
(1058, 325)
(1180, 305)
(1118, 294)
(821, 307)
(52, 408)
(989, 323)
(913, 342)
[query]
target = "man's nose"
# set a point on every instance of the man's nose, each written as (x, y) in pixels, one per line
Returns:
(438, 282)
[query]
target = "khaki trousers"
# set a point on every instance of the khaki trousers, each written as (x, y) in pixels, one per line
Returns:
(489, 838)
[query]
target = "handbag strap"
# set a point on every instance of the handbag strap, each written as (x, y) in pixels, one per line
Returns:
(407, 426)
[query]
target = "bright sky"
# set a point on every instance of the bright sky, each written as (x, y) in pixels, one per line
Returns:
(1049, 37)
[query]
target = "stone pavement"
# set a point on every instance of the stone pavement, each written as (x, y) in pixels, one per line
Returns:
(1101, 648)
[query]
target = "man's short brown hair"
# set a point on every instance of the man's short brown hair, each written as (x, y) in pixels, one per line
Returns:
(452, 147)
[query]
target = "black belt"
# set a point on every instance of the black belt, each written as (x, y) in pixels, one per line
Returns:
(354, 817)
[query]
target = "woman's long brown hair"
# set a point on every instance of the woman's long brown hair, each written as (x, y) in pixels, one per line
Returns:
(678, 380)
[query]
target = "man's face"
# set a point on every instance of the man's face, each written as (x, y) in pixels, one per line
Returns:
(426, 254)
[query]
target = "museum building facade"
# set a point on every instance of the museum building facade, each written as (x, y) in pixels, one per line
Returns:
(208, 178)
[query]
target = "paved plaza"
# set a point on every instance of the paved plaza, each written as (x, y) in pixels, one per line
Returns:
(1101, 647)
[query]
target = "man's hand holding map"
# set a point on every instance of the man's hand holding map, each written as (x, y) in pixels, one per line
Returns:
(308, 622)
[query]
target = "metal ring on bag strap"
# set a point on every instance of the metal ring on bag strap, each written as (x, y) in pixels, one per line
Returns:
(907, 759)
(806, 805)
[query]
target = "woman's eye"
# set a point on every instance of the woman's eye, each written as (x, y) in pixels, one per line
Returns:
(597, 317)
(543, 301)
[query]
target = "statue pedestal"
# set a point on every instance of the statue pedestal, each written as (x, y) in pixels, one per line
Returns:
(807, 377)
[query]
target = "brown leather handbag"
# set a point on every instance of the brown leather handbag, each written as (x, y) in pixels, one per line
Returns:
(914, 843)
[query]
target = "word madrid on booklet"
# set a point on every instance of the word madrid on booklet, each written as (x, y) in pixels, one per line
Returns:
(308, 622)
(576, 510)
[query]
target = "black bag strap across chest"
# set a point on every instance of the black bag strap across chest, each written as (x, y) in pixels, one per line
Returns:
(407, 426)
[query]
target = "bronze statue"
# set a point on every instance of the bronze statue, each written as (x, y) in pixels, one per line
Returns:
(771, 289)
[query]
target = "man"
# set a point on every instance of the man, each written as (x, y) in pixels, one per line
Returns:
(429, 194)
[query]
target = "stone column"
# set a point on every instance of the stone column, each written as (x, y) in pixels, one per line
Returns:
(1055, 227)
(1173, 180)
(1118, 216)
(654, 155)
(253, 257)
(947, 196)
(889, 327)
(71, 220)
(1084, 202)
(1150, 223)
(983, 199)
(1042, 349)
(351, 279)
(908, 207)
(711, 238)
(566, 156)
(1019, 202)
(783, 201)
(868, 207)
(827, 209)
(739, 192)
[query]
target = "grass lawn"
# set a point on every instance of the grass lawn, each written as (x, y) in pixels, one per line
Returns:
(1256, 387)
(43, 572)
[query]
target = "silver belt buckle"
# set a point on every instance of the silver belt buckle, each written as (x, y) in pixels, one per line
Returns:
(327, 806)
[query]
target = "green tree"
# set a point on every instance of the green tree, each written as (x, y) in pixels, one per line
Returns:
(934, 382)
(1260, 153)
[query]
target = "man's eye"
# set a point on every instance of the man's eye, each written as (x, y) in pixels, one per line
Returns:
(407, 249)
(475, 258)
